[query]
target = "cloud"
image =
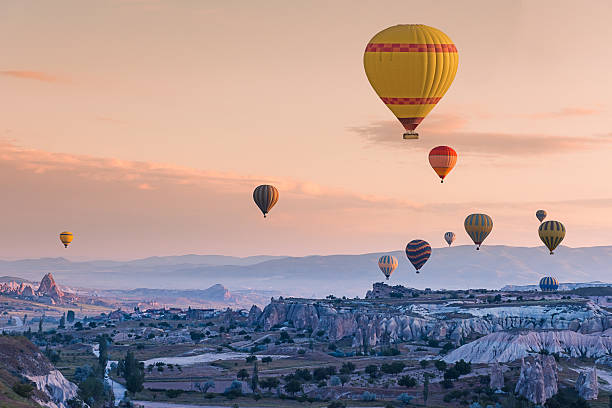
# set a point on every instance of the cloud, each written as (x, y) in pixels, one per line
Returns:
(563, 113)
(449, 130)
(34, 75)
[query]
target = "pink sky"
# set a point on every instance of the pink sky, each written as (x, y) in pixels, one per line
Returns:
(144, 125)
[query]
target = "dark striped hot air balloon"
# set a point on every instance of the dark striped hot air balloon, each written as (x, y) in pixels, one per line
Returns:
(478, 226)
(265, 197)
(551, 233)
(418, 252)
(549, 284)
(387, 264)
(449, 237)
(442, 160)
(541, 215)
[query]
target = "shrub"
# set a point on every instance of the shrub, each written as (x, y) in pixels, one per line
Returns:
(368, 396)
(407, 381)
(405, 398)
(173, 393)
(23, 389)
(395, 367)
(336, 404)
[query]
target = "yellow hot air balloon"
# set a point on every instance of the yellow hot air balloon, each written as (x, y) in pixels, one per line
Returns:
(478, 227)
(551, 233)
(66, 238)
(410, 67)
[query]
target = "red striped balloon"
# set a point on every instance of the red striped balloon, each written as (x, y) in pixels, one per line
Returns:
(442, 159)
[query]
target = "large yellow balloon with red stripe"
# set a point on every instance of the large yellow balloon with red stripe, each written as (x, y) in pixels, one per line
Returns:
(410, 67)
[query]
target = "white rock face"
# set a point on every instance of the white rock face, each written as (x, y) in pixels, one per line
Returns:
(57, 387)
(538, 379)
(454, 322)
(497, 377)
(586, 384)
(505, 347)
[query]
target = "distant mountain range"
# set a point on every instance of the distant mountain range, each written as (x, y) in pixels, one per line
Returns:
(457, 267)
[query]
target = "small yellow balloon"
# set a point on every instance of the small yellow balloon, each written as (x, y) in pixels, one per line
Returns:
(66, 238)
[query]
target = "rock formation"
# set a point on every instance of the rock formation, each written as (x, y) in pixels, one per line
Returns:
(538, 379)
(19, 357)
(254, 314)
(497, 377)
(365, 321)
(49, 288)
(586, 384)
(505, 347)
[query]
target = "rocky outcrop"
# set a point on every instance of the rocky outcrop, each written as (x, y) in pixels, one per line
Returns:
(49, 288)
(254, 314)
(505, 347)
(538, 379)
(497, 377)
(367, 320)
(57, 387)
(20, 358)
(586, 384)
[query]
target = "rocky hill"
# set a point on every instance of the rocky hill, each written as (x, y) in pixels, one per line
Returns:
(457, 321)
(506, 347)
(48, 291)
(21, 363)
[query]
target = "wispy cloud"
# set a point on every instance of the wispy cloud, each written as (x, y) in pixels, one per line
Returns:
(564, 113)
(449, 129)
(35, 76)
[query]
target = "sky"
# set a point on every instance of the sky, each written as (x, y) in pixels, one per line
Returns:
(143, 126)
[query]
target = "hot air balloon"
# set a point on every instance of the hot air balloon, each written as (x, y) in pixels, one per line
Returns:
(549, 284)
(551, 234)
(541, 215)
(418, 252)
(265, 197)
(410, 67)
(478, 226)
(442, 159)
(387, 265)
(449, 237)
(66, 238)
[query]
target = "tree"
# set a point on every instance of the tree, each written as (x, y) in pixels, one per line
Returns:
(426, 388)
(372, 370)
(133, 372)
(62, 322)
(70, 316)
(269, 383)
(243, 374)
(407, 381)
(451, 373)
(347, 368)
(440, 365)
(103, 356)
(266, 360)
(462, 367)
(424, 363)
(255, 378)
(293, 386)
(344, 378)
(40, 325)
(395, 367)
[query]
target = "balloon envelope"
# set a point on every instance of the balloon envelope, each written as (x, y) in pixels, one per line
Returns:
(418, 252)
(541, 215)
(66, 238)
(442, 159)
(549, 284)
(478, 227)
(449, 237)
(410, 67)
(551, 233)
(265, 197)
(387, 264)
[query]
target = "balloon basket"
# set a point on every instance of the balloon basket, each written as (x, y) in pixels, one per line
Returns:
(411, 135)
